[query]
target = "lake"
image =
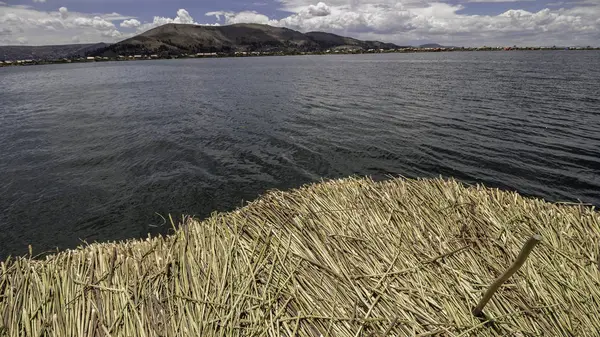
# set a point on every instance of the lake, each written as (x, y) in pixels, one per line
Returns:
(104, 151)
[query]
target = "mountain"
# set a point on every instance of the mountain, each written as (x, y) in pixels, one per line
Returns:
(48, 52)
(328, 40)
(175, 39)
(434, 45)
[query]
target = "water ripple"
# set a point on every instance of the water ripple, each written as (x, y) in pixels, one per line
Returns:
(94, 151)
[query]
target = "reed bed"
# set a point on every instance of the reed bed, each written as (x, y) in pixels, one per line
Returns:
(347, 257)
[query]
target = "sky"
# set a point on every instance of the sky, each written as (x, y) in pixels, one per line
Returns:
(404, 22)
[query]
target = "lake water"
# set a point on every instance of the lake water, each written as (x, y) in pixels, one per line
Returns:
(97, 151)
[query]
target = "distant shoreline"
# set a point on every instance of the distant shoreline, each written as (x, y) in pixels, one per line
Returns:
(27, 62)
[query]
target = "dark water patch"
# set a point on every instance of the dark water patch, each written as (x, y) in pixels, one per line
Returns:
(95, 151)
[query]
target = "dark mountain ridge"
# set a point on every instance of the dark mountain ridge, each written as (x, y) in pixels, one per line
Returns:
(13, 53)
(329, 40)
(435, 45)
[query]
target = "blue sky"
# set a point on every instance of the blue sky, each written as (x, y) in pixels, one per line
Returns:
(455, 22)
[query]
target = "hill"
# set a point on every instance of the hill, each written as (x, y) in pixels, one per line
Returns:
(329, 40)
(175, 39)
(48, 52)
(434, 45)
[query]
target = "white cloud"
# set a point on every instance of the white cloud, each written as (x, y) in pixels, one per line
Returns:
(113, 33)
(131, 23)
(242, 17)
(31, 26)
(95, 22)
(321, 9)
(40, 1)
(183, 16)
(64, 12)
(312, 11)
(116, 17)
(25, 25)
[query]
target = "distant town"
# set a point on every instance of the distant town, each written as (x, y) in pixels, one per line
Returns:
(335, 51)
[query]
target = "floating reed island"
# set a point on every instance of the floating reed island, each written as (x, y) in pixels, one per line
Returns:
(348, 257)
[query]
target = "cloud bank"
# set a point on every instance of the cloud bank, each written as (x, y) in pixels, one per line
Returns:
(416, 21)
(25, 25)
(398, 21)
